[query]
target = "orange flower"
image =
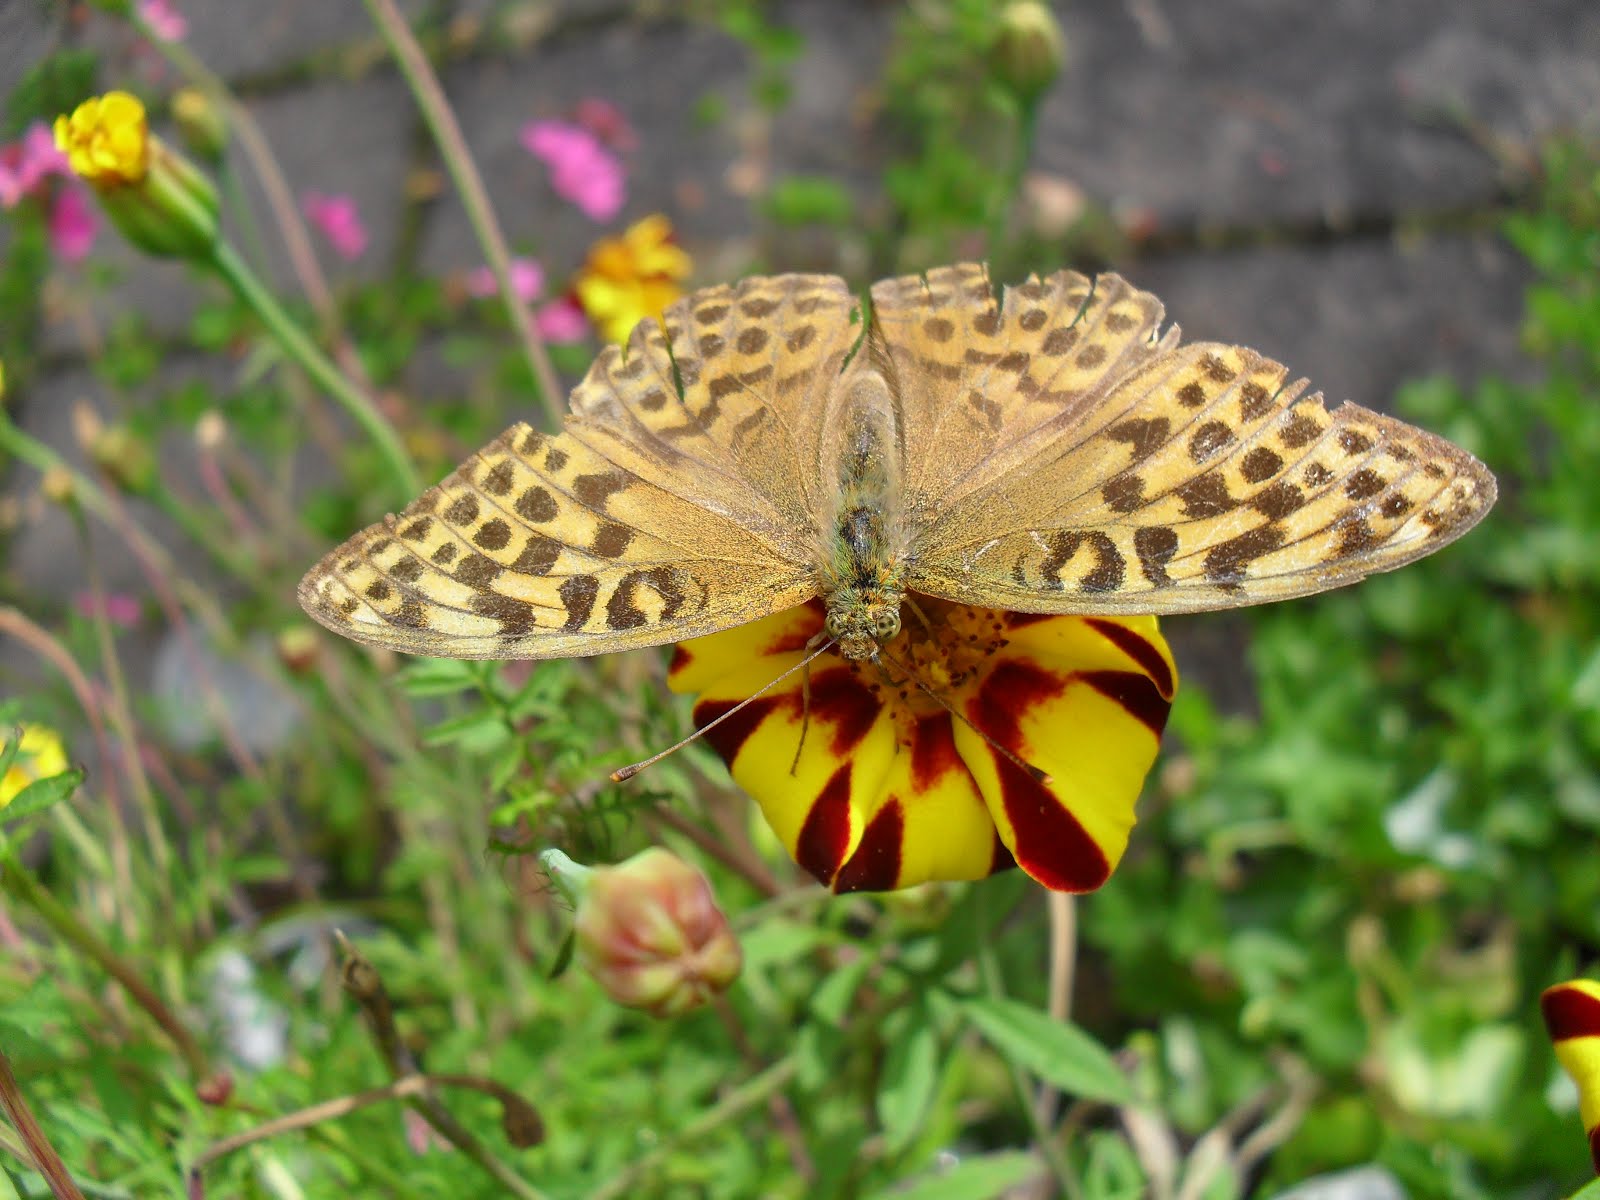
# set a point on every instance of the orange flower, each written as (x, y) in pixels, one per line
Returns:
(1572, 1015)
(886, 789)
(629, 278)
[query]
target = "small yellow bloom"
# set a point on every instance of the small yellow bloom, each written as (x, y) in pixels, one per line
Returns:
(160, 200)
(1572, 1015)
(40, 756)
(633, 277)
(106, 139)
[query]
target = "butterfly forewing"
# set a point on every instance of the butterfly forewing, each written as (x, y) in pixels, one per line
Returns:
(1196, 480)
(675, 502)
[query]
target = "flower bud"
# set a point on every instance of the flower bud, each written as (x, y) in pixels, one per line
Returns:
(1028, 48)
(160, 201)
(201, 124)
(125, 458)
(298, 648)
(1572, 1016)
(649, 930)
(57, 486)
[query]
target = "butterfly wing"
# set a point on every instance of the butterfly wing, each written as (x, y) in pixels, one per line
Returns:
(1122, 473)
(673, 503)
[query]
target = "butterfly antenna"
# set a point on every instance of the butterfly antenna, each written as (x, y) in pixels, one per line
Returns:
(628, 772)
(1034, 772)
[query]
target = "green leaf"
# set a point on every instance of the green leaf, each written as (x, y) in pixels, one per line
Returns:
(1058, 1052)
(975, 1179)
(41, 794)
(910, 1076)
(1590, 1191)
(9, 750)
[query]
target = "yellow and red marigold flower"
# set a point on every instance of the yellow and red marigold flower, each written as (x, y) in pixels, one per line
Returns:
(1572, 1015)
(626, 279)
(889, 790)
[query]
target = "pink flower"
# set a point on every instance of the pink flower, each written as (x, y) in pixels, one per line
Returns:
(581, 169)
(25, 165)
(527, 280)
(562, 321)
(165, 22)
(340, 223)
(119, 608)
(605, 120)
(72, 224)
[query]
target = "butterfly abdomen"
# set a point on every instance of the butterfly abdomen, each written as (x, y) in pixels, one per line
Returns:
(863, 556)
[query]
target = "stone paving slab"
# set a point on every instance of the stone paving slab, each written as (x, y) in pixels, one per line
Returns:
(1255, 111)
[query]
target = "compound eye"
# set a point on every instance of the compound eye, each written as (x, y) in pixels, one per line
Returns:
(887, 625)
(834, 624)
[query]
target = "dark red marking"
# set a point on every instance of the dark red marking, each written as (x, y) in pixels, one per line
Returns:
(1000, 858)
(1569, 1013)
(1016, 620)
(875, 866)
(1594, 1147)
(1137, 648)
(1137, 695)
(1011, 688)
(826, 833)
(681, 658)
(730, 736)
(1051, 845)
(933, 751)
(841, 700)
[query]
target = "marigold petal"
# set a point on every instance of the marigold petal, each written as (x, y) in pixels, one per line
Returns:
(1572, 1016)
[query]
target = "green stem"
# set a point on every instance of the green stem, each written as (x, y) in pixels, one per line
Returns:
(1053, 1156)
(66, 925)
(249, 288)
(446, 130)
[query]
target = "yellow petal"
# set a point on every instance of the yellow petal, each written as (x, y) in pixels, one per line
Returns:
(1572, 1015)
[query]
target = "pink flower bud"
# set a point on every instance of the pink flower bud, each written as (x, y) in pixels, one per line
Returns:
(649, 931)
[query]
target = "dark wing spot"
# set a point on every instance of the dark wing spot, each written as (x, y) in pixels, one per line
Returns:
(554, 459)
(1317, 475)
(493, 535)
(593, 491)
(417, 530)
(379, 589)
(1299, 430)
(1091, 356)
(1254, 401)
(498, 478)
(1208, 439)
(536, 504)
(407, 570)
(1226, 562)
(1279, 500)
(1120, 322)
(463, 511)
(577, 597)
(477, 570)
(1364, 483)
(1354, 441)
(1155, 546)
(538, 556)
(611, 540)
(938, 329)
(1192, 394)
(758, 307)
(515, 617)
(710, 314)
(1394, 505)
(445, 554)
(1206, 496)
(1144, 434)
(1058, 341)
(1259, 465)
(801, 338)
(751, 341)
(1215, 368)
(1017, 361)
(711, 345)
(1124, 493)
(1033, 320)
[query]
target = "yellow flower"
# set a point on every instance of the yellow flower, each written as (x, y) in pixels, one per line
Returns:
(878, 786)
(629, 278)
(106, 139)
(39, 756)
(1572, 1015)
(160, 201)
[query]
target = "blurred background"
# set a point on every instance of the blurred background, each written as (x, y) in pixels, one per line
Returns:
(1374, 832)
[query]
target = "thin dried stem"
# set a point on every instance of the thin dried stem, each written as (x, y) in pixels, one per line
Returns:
(1063, 964)
(45, 1159)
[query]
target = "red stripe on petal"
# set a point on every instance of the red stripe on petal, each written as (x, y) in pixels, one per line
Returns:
(875, 866)
(1138, 696)
(681, 658)
(730, 736)
(1594, 1147)
(839, 698)
(1569, 1013)
(1000, 858)
(1050, 844)
(1016, 620)
(1138, 649)
(826, 833)
(933, 751)
(1011, 688)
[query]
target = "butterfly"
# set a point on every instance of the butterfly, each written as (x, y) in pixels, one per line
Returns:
(1043, 448)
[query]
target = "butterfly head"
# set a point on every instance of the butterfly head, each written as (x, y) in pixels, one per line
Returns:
(861, 621)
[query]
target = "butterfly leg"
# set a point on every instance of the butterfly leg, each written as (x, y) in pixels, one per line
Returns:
(820, 639)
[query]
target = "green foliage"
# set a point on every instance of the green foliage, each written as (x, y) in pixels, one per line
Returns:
(1326, 941)
(1381, 872)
